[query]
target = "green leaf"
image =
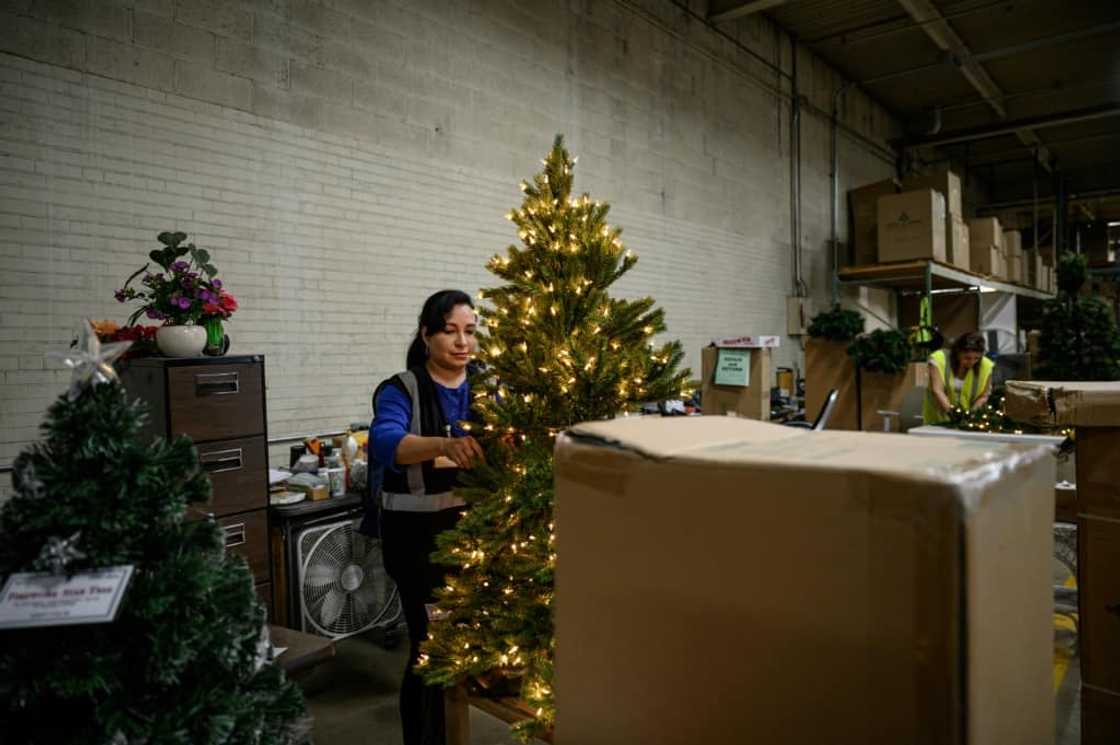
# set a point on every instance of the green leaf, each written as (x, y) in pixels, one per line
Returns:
(210, 270)
(201, 255)
(167, 238)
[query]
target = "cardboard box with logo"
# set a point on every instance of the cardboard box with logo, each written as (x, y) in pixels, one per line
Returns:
(722, 580)
(1093, 409)
(912, 226)
(986, 245)
(863, 211)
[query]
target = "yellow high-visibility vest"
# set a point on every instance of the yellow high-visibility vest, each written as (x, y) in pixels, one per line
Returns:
(975, 383)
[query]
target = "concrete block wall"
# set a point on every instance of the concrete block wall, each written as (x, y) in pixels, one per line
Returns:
(341, 159)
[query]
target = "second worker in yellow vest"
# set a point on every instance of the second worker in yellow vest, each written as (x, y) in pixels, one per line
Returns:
(958, 377)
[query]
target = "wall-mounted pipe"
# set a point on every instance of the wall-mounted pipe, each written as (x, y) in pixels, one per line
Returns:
(834, 185)
(799, 287)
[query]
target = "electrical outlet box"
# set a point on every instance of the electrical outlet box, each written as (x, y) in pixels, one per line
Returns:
(799, 311)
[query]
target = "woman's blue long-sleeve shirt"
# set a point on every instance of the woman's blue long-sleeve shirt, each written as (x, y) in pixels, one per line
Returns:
(394, 417)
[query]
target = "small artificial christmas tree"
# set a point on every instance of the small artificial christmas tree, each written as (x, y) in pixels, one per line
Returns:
(1079, 339)
(183, 663)
(557, 350)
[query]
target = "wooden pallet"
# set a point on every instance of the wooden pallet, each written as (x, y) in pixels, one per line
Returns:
(457, 703)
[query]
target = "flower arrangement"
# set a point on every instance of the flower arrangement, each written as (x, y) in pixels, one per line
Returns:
(143, 338)
(186, 292)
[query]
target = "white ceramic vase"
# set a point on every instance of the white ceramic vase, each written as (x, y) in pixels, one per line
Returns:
(181, 341)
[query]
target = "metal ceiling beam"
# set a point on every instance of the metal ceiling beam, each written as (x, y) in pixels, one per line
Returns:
(746, 9)
(1015, 126)
(946, 39)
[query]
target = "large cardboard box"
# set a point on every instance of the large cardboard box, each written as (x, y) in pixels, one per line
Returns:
(1098, 587)
(945, 182)
(1064, 403)
(828, 366)
(912, 226)
(863, 209)
(1093, 408)
(751, 401)
(890, 392)
(957, 243)
(728, 581)
(1100, 717)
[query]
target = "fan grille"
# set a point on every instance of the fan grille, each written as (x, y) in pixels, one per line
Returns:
(343, 586)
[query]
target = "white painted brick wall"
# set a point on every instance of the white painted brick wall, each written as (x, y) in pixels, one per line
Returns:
(341, 160)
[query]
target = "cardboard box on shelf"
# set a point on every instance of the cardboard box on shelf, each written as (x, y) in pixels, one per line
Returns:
(1047, 254)
(957, 244)
(752, 401)
(1016, 265)
(863, 209)
(945, 182)
(889, 392)
(828, 366)
(912, 226)
(1035, 278)
(915, 601)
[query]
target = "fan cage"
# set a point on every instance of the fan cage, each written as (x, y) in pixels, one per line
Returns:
(342, 583)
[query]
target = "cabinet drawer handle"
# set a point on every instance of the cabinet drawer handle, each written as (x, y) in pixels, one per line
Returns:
(216, 384)
(235, 535)
(219, 461)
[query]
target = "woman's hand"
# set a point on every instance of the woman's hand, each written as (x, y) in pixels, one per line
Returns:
(464, 451)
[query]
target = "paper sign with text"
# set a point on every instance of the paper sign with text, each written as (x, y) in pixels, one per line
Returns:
(32, 599)
(733, 367)
(748, 342)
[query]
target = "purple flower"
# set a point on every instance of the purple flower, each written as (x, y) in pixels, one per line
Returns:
(152, 313)
(184, 303)
(119, 295)
(188, 282)
(180, 266)
(216, 283)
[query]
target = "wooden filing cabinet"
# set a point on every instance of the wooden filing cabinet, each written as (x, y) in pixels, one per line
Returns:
(219, 402)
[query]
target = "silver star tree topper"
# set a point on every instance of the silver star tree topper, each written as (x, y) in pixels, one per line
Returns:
(91, 361)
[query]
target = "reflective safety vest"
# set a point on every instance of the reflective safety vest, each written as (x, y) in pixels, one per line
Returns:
(975, 383)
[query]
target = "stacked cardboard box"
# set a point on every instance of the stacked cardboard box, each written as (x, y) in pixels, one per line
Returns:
(1016, 260)
(948, 185)
(723, 580)
(863, 209)
(1094, 410)
(986, 243)
(1036, 274)
(912, 226)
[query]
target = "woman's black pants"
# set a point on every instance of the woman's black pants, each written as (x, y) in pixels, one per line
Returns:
(407, 540)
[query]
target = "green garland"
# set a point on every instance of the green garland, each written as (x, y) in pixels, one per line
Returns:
(883, 351)
(836, 324)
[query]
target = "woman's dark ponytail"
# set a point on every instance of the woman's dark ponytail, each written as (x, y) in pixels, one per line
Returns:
(432, 317)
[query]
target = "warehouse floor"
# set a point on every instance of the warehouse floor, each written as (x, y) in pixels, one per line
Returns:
(353, 698)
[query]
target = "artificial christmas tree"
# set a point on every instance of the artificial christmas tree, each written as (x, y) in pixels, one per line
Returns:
(557, 349)
(185, 660)
(1079, 339)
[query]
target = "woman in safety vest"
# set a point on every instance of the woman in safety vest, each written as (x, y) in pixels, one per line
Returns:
(958, 377)
(417, 450)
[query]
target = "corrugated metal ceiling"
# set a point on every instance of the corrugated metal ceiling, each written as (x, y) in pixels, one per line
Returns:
(1046, 57)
